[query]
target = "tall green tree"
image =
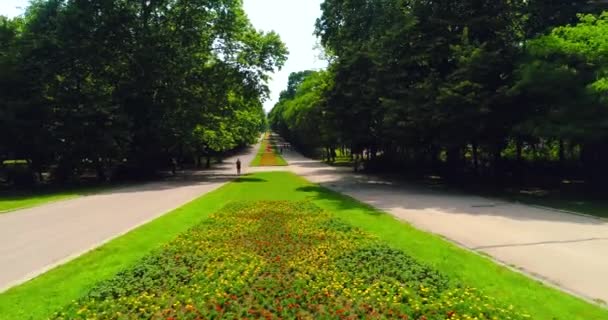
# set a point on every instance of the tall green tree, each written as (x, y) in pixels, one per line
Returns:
(116, 83)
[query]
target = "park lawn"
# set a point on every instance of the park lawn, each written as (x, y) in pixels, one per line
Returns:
(267, 155)
(578, 203)
(14, 200)
(593, 207)
(39, 298)
(281, 260)
(342, 160)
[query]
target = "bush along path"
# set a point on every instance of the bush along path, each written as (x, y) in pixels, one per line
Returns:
(281, 259)
(267, 155)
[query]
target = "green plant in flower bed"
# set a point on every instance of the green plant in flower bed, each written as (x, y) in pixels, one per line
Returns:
(281, 260)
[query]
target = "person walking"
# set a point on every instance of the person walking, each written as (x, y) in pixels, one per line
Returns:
(173, 166)
(238, 167)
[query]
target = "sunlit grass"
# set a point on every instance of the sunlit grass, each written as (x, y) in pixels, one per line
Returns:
(268, 155)
(39, 298)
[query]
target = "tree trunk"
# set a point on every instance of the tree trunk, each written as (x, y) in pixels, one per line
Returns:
(475, 157)
(497, 162)
(562, 156)
(519, 161)
(208, 163)
(99, 168)
(518, 151)
(453, 158)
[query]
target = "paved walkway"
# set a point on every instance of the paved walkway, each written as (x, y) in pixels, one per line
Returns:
(567, 250)
(35, 240)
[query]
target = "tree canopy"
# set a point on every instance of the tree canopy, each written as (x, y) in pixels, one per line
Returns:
(485, 87)
(108, 84)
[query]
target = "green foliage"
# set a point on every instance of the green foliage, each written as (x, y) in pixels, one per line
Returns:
(14, 201)
(565, 76)
(93, 85)
(272, 259)
(301, 113)
(54, 290)
(448, 86)
(363, 263)
(268, 154)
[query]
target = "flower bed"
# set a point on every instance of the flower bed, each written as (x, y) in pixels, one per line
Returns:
(267, 155)
(281, 260)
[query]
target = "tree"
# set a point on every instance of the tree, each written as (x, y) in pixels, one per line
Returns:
(116, 83)
(458, 86)
(564, 78)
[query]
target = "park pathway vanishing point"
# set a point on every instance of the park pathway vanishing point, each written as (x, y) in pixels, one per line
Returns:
(567, 250)
(35, 240)
(564, 249)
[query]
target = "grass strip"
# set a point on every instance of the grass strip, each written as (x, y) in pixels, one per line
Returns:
(15, 200)
(268, 155)
(282, 260)
(53, 291)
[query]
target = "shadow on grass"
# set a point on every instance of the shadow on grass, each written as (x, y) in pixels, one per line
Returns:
(338, 200)
(249, 179)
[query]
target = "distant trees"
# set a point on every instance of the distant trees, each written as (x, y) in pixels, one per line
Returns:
(485, 87)
(299, 114)
(100, 85)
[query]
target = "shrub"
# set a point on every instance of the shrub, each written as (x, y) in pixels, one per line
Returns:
(281, 260)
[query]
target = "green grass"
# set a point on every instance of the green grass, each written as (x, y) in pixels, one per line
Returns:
(12, 200)
(257, 161)
(342, 160)
(572, 200)
(594, 207)
(576, 202)
(258, 157)
(40, 297)
(296, 253)
(13, 162)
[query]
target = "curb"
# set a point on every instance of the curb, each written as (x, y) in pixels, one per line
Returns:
(563, 211)
(485, 255)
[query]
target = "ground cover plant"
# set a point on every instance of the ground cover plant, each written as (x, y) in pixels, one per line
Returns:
(341, 159)
(41, 297)
(216, 108)
(282, 259)
(13, 200)
(268, 156)
(10, 202)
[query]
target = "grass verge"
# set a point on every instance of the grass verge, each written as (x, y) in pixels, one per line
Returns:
(267, 155)
(282, 260)
(39, 298)
(341, 160)
(14, 200)
(593, 207)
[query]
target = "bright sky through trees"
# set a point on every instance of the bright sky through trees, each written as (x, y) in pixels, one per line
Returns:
(11, 8)
(293, 19)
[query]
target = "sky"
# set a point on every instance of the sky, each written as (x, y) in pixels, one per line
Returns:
(293, 20)
(11, 8)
